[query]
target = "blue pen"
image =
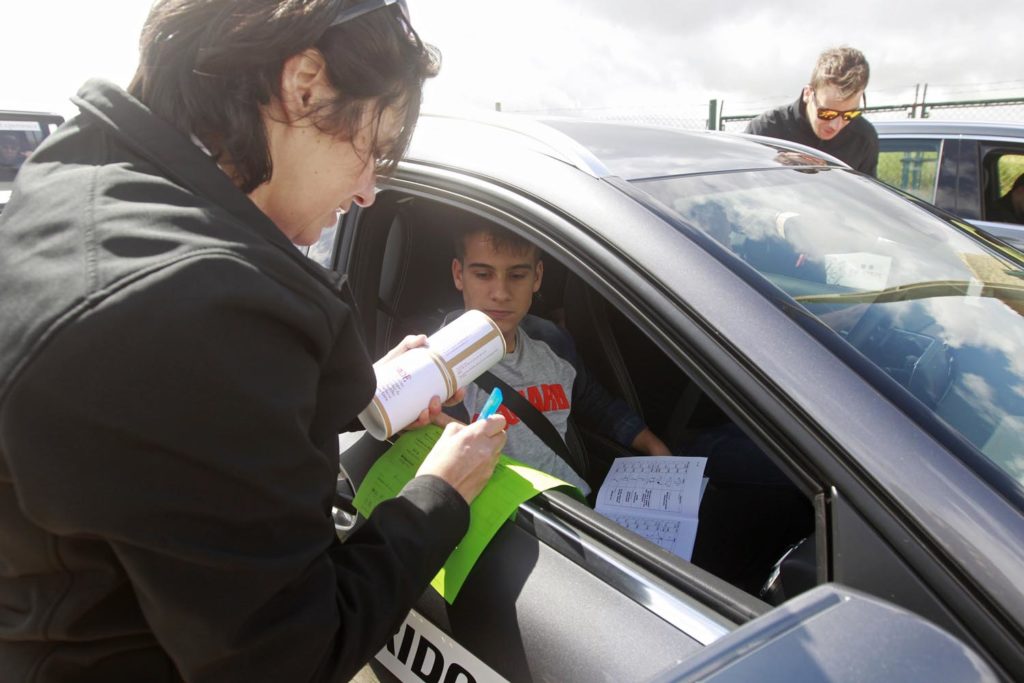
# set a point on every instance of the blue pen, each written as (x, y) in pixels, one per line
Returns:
(492, 405)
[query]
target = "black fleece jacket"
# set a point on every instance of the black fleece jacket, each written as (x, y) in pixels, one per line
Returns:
(856, 144)
(173, 377)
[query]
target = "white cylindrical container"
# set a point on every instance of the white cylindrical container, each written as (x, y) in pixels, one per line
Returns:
(454, 356)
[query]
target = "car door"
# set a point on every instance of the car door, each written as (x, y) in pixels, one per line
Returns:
(557, 595)
(999, 163)
(961, 174)
(561, 593)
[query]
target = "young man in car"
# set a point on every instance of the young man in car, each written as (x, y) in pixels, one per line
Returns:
(828, 113)
(498, 273)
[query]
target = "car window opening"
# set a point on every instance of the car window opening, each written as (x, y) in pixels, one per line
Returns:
(751, 514)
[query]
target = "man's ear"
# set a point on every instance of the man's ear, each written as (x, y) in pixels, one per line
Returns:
(457, 273)
(808, 91)
(539, 275)
(304, 84)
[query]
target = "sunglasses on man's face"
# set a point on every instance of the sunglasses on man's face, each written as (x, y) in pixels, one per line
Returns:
(826, 114)
(398, 8)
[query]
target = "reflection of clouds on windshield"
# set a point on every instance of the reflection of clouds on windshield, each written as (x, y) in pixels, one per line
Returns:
(1004, 441)
(793, 224)
(831, 212)
(980, 390)
(975, 322)
(989, 328)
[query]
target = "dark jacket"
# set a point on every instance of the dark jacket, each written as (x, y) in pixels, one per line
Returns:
(173, 377)
(1003, 210)
(856, 144)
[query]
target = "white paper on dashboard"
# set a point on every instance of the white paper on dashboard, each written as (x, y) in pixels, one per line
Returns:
(858, 270)
(657, 497)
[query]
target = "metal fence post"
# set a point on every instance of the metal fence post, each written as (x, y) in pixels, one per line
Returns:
(712, 114)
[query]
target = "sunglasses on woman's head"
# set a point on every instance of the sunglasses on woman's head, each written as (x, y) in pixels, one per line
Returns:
(399, 8)
(826, 114)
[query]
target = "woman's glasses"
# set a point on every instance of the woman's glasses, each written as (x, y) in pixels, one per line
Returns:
(826, 114)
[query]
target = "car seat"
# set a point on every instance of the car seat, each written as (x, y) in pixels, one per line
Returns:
(400, 273)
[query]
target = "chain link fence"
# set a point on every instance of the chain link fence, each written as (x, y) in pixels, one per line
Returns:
(710, 117)
(991, 111)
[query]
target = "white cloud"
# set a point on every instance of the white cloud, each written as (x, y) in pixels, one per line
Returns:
(592, 54)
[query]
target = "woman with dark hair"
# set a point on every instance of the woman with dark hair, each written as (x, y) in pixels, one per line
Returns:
(174, 373)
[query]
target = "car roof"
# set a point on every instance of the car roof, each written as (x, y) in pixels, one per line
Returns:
(602, 149)
(985, 129)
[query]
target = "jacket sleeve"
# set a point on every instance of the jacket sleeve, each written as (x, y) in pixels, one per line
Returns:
(173, 424)
(758, 125)
(869, 164)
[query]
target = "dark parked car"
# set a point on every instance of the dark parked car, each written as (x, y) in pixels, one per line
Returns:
(20, 133)
(863, 346)
(963, 168)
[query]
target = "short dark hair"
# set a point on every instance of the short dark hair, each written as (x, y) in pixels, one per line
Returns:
(206, 66)
(504, 241)
(842, 67)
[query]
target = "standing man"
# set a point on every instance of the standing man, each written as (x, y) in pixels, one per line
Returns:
(828, 113)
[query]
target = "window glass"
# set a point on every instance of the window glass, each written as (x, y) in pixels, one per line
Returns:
(17, 140)
(935, 309)
(910, 165)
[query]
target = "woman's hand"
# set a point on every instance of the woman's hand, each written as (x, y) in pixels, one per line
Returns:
(465, 455)
(432, 413)
(411, 342)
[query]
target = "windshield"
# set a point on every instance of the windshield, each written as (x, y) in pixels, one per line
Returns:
(935, 309)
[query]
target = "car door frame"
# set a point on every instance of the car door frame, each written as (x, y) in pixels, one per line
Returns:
(847, 482)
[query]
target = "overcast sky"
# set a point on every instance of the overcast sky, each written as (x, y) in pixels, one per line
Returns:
(596, 55)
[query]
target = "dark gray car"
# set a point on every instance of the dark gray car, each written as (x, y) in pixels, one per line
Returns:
(854, 355)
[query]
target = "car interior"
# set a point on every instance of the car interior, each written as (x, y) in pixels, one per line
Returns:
(751, 516)
(1000, 169)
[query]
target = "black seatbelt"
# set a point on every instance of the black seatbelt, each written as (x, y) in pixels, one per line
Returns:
(528, 413)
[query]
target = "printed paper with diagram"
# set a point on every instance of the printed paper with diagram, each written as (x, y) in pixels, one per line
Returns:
(657, 497)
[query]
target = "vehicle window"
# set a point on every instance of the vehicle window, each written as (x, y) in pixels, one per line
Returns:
(750, 511)
(17, 140)
(1009, 167)
(911, 165)
(935, 309)
(1002, 204)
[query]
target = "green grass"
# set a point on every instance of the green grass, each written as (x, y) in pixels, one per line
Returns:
(1010, 168)
(910, 171)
